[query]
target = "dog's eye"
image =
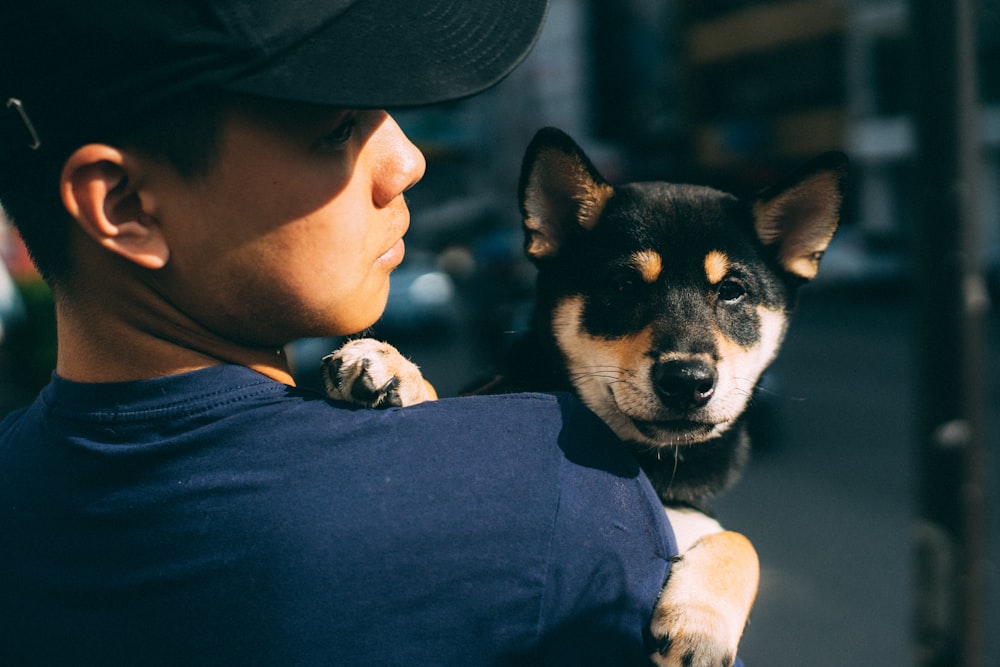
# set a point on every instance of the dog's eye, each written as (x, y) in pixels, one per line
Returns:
(623, 283)
(731, 291)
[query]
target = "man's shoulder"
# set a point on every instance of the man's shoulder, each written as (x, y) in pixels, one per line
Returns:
(498, 512)
(223, 404)
(518, 416)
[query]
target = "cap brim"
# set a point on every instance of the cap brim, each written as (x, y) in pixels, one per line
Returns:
(385, 53)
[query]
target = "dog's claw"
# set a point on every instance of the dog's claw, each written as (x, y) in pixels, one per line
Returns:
(697, 622)
(366, 391)
(689, 631)
(704, 653)
(373, 374)
(694, 635)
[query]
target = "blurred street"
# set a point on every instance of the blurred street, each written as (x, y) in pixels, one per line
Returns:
(831, 505)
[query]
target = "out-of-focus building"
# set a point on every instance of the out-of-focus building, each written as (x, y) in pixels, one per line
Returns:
(746, 88)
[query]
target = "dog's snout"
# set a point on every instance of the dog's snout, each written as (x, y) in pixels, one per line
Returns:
(684, 384)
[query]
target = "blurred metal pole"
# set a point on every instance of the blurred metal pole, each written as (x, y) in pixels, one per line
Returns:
(950, 600)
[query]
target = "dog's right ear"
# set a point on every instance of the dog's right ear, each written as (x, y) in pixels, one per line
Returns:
(561, 192)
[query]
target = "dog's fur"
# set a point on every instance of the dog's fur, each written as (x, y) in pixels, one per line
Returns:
(659, 305)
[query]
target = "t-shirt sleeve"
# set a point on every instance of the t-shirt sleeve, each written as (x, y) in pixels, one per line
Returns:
(609, 553)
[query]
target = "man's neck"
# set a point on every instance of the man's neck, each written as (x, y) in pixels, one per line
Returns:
(97, 344)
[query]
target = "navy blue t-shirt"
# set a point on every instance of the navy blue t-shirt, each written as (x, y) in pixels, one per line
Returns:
(218, 517)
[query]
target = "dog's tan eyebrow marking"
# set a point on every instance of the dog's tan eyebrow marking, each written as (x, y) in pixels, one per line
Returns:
(649, 264)
(716, 266)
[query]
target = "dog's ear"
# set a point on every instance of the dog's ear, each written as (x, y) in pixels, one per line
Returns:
(799, 215)
(561, 192)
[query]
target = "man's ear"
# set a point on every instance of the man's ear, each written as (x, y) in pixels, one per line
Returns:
(100, 193)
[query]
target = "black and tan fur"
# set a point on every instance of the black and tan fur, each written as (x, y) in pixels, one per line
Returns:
(659, 305)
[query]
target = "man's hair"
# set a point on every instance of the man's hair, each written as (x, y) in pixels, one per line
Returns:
(184, 134)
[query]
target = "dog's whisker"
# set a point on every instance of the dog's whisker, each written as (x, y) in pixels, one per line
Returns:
(605, 372)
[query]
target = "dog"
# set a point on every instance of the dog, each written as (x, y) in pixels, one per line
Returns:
(659, 305)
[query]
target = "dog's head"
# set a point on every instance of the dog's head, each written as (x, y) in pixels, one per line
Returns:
(668, 301)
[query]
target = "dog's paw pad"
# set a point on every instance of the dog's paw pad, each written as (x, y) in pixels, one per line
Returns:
(691, 632)
(687, 650)
(373, 374)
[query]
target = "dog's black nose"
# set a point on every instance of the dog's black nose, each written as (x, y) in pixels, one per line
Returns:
(684, 384)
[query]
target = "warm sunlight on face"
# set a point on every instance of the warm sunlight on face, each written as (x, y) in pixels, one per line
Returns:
(295, 230)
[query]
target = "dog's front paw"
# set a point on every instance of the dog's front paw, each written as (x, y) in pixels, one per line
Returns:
(374, 374)
(691, 633)
(703, 610)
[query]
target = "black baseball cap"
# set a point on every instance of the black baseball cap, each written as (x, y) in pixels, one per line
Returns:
(74, 64)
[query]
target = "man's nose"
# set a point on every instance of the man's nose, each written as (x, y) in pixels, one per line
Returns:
(401, 167)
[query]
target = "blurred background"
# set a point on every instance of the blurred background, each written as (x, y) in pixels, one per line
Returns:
(731, 93)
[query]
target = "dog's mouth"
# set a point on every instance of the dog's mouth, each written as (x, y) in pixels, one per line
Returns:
(676, 431)
(659, 427)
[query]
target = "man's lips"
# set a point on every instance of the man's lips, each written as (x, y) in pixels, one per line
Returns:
(393, 257)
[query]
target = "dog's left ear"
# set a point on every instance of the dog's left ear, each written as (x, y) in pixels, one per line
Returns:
(562, 194)
(800, 214)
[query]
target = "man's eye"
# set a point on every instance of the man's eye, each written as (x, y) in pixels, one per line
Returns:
(340, 136)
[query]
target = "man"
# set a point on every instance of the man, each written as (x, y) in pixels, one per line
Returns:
(201, 183)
